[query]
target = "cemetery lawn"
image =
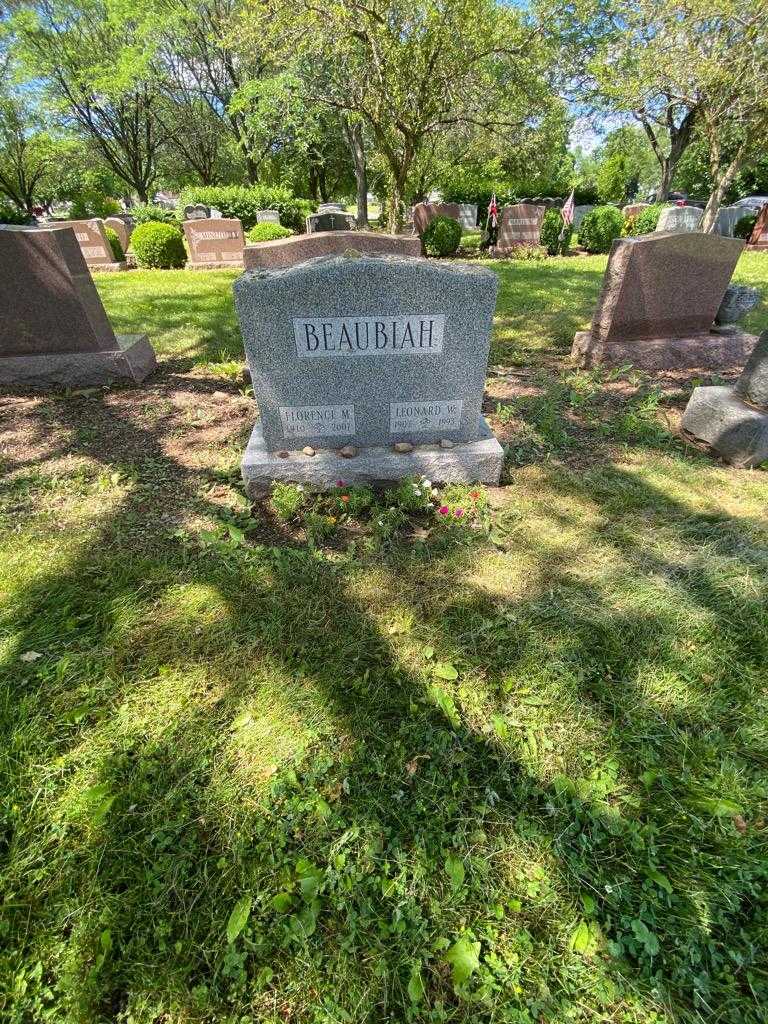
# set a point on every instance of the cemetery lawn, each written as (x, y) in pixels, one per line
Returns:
(513, 775)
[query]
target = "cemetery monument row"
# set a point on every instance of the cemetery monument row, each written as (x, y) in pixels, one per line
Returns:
(93, 243)
(367, 369)
(214, 243)
(520, 224)
(658, 303)
(53, 328)
(734, 420)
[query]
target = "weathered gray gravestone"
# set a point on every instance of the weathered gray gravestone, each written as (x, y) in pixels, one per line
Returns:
(734, 421)
(268, 217)
(468, 216)
(679, 218)
(123, 228)
(214, 243)
(53, 328)
(368, 352)
(520, 224)
(579, 213)
(658, 302)
(197, 211)
(738, 300)
(727, 219)
(332, 220)
(94, 244)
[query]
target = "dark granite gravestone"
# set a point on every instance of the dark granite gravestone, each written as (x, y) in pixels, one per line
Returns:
(93, 243)
(520, 225)
(759, 237)
(734, 421)
(658, 303)
(331, 220)
(425, 213)
(197, 211)
(123, 228)
(214, 243)
(53, 328)
(368, 352)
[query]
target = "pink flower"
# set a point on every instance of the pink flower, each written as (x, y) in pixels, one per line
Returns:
(339, 483)
(459, 513)
(443, 510)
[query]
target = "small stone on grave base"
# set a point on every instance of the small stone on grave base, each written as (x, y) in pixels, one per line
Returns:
(309, 451)
(348, 451)
(445, 443)
(403, 447)
(477, 461)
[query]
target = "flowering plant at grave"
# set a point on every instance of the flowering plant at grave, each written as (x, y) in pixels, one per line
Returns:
(460, 505)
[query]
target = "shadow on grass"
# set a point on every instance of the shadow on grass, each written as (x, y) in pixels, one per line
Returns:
(141, 807)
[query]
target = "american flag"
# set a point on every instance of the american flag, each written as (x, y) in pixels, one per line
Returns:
(493, 211)
(567, 210)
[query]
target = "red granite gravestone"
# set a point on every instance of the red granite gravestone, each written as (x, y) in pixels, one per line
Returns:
(286, 252)
(94, 244)
(520, 225)
(633, 209)
(53, 328)
(658, 304)
(216, 242)
(122, 228)
(759, 237)
(424, 213)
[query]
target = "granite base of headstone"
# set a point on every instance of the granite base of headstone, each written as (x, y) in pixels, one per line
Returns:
(658, 303)
(759, 237)
(734, 421)
(330, 220)
(739, 299)
(214, 243)
(287, 252)
(679, 218)
(519, 225)
(352, 356)
(94, 244)
(53, 328)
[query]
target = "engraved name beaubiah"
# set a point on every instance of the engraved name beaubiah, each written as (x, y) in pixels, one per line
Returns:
(326, 337)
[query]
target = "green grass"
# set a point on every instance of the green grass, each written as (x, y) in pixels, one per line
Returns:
(514, 776)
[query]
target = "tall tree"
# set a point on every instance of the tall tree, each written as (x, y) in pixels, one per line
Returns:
(28, 153)
(96, 70)
(409, 70)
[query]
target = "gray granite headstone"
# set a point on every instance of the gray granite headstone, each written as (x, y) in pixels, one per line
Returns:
(268, 217)
(369, 351)
(579, 213)
(679, 218)
(738, 300)
(734, 421)
(727, 219)
(468, 216)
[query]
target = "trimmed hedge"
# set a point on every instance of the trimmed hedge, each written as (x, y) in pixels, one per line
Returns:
(158, 246)
(600, 228)
(551, 229)
(244, 203)
(114, 243)
(149, 213)
(268, 232)
(745, 226)
(442, 236)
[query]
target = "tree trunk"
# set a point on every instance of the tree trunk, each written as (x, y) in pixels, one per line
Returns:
(667, 170)
(354, 135)
(679, 138)
(722, 178)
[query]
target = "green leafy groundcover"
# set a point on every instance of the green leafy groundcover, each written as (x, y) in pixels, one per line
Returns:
(509, 771)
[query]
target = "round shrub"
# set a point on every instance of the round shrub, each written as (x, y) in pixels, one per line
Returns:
(551, 228)
(10, 214)
(114, 243)
(268, 232)
(600, 227)
(442, 236)
(158, 246)
(745, 225)
(645, 222)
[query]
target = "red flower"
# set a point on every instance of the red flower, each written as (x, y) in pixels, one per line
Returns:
(443, 510)
(474, 494)
(345, 497)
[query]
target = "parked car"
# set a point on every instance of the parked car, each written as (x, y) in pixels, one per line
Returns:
(752, 202)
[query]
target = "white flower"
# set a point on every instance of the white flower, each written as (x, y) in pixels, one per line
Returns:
(417, 493)
(426, 483)
(435, 492)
